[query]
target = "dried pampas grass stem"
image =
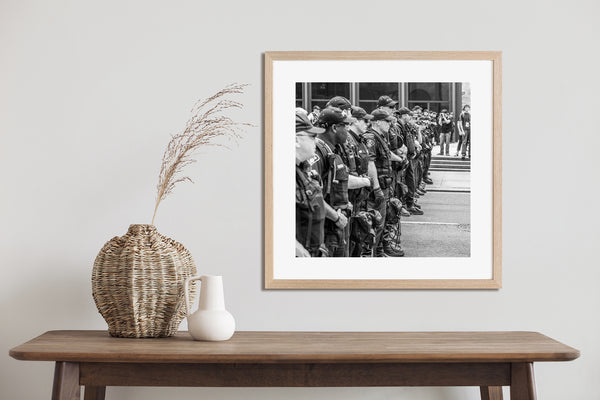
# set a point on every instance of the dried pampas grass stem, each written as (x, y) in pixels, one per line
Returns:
(206, 124)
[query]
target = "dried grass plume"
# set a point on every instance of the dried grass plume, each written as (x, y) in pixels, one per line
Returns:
(207, 123)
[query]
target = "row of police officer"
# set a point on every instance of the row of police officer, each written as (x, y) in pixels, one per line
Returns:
(356, 175)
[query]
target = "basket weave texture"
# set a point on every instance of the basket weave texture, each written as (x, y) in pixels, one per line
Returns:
(137, 283)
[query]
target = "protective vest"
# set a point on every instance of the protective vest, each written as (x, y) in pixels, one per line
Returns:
(409, 139)
(394, 138)
(360, 154)
(383, 162)
(310, 210)
(427, 134)
(348, 156)
(335, 176)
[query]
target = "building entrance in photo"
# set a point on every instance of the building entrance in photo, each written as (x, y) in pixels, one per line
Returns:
(434, 96)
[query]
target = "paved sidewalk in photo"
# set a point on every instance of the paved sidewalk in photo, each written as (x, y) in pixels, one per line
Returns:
(449, 173)
(450, 181)
(443, 231)
(445, 228)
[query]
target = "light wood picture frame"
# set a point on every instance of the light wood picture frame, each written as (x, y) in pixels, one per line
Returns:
(287, 73)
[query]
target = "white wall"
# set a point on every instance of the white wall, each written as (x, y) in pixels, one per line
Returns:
(90, 91)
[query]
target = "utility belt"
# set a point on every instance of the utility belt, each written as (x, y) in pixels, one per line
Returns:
(399, 166)
(343, 208)
(385, 181)
(358, 196)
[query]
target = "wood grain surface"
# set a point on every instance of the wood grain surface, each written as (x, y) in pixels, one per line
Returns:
(299, 347)
(94, 393)
(295, 375)
(522, 382)
(66, 381)
(491, 392)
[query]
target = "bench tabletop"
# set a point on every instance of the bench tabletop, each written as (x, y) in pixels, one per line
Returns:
(298, 347)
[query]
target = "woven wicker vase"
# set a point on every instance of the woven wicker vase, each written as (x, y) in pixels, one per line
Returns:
(137, 283)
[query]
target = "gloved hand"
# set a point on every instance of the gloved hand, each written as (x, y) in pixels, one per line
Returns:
(379, 198)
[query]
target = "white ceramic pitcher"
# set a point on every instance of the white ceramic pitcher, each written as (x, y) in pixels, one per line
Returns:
(212, 321)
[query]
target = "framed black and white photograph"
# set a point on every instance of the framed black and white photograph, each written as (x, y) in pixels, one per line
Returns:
(396, 180)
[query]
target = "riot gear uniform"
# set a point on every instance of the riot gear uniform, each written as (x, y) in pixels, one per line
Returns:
(334, 174)
(379, 153)
(408, 137)
(310, 211)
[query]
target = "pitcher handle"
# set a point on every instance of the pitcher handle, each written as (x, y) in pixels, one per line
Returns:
(186, 285)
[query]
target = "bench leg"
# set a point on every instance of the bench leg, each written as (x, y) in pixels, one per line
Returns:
(491, 392)
(94, 392)
(66, 381)
(522, 382)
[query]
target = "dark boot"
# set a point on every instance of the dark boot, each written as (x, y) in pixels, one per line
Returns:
(393, 250)
(415, 211)
(391, 242)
